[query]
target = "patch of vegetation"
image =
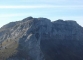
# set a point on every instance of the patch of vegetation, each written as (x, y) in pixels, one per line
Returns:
(9, 50)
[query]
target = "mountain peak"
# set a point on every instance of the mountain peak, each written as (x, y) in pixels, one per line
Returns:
(28, 18)
(41, 39)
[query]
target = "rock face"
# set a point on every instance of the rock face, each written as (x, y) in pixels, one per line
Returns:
(41, 39)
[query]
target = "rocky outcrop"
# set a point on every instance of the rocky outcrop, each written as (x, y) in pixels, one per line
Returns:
(41, 39)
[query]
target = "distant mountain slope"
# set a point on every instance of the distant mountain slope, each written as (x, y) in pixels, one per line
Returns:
(41, 39)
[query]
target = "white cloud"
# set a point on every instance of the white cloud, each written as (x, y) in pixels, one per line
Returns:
(40, 6)
(42, 0)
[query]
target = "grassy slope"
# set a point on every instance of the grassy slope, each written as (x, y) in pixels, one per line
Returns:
(9, 50)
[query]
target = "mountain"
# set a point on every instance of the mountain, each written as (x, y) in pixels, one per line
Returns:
(41, 39)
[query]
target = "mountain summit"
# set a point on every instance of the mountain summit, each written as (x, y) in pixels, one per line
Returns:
(41, 39)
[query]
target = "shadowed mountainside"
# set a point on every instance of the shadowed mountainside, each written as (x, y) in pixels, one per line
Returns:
(41, 39)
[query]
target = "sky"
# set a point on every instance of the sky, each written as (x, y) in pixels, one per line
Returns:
(15, 10)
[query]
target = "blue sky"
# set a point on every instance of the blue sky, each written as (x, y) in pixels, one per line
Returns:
(14, 10)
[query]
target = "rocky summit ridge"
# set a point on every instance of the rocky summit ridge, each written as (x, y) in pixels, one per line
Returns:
(41, 39)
